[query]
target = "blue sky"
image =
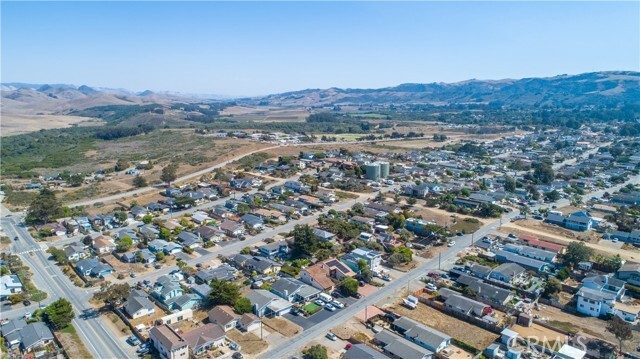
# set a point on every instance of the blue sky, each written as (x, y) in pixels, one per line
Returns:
(249, 48)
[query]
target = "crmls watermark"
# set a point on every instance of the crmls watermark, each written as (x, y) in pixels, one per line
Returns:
(545, 344)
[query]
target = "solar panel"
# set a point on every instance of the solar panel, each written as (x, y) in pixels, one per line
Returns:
(335, 263)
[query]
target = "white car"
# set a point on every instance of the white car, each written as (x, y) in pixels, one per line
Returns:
(319, 302)
(431, 286)
(337, 304)
(330, 308)
(332, 336)
(451, 244)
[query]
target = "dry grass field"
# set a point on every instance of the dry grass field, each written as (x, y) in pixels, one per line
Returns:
(466, 332)
(12, 124)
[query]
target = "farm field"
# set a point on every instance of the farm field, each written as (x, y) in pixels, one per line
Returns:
(14, 124)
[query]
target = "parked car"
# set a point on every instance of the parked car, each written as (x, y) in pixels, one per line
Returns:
(330, 308)
(132, 275)
(451, 243)
(237, 355)
(26, 302)
(337, 304)
(318, 302)
(357, 295)
(332, 336)
(386, 277)
(431, 286)
(133, 340)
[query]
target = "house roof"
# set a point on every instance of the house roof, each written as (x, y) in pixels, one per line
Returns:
(167, 337)
(401, 347)
(420, 332)
(203, 335)
(363, 351)
(248, 318)
(320, 274)
(136, 303)
(222, 314)
(32, 333)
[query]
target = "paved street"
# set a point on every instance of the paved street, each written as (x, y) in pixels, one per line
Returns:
(99, 340)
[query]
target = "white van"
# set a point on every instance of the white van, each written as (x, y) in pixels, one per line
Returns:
(325, 297)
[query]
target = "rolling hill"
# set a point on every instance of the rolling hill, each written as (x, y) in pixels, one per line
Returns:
(596, 88)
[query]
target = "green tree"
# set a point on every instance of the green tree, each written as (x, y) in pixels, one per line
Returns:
(304, 240)
(620, 329)
(396, 220)
(159, 256)
(316, 352)
(165, 233)
(364, 271)
(184, 202)
(243, 305)
(120, 216)
(243, 209)
(58, 255)
(224, 292)
(552, 196)
(578, 252)
(112, 294)
(509, 184)
(43, 208)
(245, 250)
(412, 201)
(59, 314)
(139, 181)
(121, 165)
(349, 286)
(563, 273)
(147, 219)
(169, 174)
(124, 244)
(543, 173)
(552, 287)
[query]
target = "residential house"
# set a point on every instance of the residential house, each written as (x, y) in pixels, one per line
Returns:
(630, 273)
(363, 351)
(166, 288)
(249, 322)
(457, 302)
(508, 273)
(9, 284)
(630, 237)
(279, 249)
(323, 235)
(253, 221)
(30, 337)
(232, 228)
(530, 252)
(224, 316)
(293, 290)
(210, 234)
(138, 304)
(189, 239)
(528, 263)
(486, 291)
(102, 245)
(157, 245)
(422, 335)
(267, 303)
(320, 275)
(577, 221)
(183, 302)
(373, 259)
(401, 348)
(533, 241)
(222, 272)
(297, 186)
(92, 267)
(200, 217)
(259, 264)
(418, 226)
(363, 220)
(480, 271)
(598, 295)
(167, 343)
(203, 338)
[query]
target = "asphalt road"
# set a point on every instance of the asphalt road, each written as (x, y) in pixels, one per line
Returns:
(99, 340)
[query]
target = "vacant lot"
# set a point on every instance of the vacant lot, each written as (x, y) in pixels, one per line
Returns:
(468, 333)
(72, 344)
(586, 325)
(251, 344)
(282, 326)
(18, 124)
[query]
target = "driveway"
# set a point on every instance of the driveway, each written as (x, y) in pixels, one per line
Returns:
(320, 316)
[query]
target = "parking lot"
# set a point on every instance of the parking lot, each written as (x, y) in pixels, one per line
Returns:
(318, 317)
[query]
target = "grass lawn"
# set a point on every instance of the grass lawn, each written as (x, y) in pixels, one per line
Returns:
(465, 226)
(312, 308)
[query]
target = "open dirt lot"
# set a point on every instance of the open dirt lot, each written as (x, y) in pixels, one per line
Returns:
(589, 236)
(282, 326)
(251, 344)
(539, 332)
(17, 124)
(72, 344)
(468, 333)
(586, 325)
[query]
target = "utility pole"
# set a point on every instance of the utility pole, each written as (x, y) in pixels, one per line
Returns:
(439, 257)
(472, 234)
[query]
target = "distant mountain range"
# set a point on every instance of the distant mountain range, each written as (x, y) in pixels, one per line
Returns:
(596, 88)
